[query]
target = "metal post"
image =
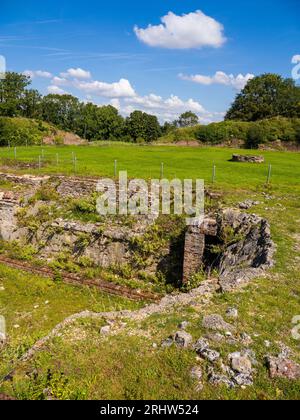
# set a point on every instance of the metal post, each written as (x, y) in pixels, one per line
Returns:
(269, 174)
(116, 168)
(214, 174)
(162, 170)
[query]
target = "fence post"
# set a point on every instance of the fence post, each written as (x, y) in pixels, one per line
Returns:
(75, 164)
(214, 174)
(162, 170)
(115, 168)
(269, 174)
(15, 152)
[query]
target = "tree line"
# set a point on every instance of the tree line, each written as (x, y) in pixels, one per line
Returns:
(264, 97)
(87, 120)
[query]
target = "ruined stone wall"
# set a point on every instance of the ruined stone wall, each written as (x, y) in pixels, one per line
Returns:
(248, 253)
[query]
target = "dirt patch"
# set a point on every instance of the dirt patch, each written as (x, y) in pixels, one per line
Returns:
(62, 137)
(12, 163)
(280, 146)
(189, 143)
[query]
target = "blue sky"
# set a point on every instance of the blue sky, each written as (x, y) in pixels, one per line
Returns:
(192, 61)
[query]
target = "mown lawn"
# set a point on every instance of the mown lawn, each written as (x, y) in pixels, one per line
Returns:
(145, 162)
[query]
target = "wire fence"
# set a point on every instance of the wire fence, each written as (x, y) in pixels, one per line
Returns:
(41, 160)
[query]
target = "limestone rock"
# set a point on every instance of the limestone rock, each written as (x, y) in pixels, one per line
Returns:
(168, 342)
(183, 325)
(105, 330)
(240, 364)
(280, 367)
(216, 323)
(210, 355)
(248, 204)
(243, 379)
(218, 380)
(201, 345)
(196, 373)
(248, 159)
(232, 313)
(250, 255)
(183, 339)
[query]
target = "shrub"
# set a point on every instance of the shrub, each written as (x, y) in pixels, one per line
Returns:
(22, 131)
(217, 133)
(256, 136)
(253, 134)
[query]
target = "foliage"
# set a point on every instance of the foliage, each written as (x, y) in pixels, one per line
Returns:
(22, 131)
(66, 112)
(266, 96)
(12, 94)
(194, 282)
(175, 135)
(217, 133)
(142, 125)
(187, 119)
(251, 133)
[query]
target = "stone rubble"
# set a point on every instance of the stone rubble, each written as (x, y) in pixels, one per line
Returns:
(248, 204)
(232, 313)
(183, 339)
(281, 367)
(216, 323)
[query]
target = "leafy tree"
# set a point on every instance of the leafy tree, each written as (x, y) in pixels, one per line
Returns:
(168, 128)
(266, 96)
(142, 125)
(31, 104)
(12, 91)
(111, 125)
(99, 123)
(87, 125)
(255, 136)
(61, 110)
(188, 119)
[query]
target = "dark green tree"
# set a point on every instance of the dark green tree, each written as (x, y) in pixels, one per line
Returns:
(99, 123)
(142, 125)
(266, 96)
(61, 110)
(111, 125)
(12, 92)
(31, 104)
(168, 128)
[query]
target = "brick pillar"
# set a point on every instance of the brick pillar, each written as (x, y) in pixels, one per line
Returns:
(193, 252)
(195, 246)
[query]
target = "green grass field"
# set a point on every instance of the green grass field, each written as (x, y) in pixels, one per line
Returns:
(80, 364)
(145, 162)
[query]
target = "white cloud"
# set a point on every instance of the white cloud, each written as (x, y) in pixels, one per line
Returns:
(193, 30)
(55, 90)
(167, 109)
(59, 81)
(38, 73)
(77, 74)
(121, 89)
(238, 82)
(116, 103)
(296, 59)
(122, 96)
